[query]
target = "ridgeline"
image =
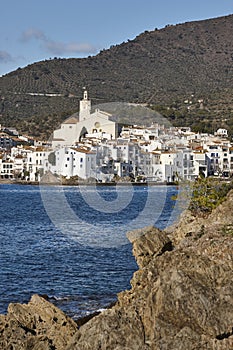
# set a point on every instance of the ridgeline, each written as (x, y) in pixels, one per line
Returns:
(182, 71)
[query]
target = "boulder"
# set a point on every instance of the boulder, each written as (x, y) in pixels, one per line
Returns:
(37, 325)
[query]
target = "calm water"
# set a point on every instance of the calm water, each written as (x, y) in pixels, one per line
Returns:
(65, 257)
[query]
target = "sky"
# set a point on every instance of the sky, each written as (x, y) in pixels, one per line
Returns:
(32, 30)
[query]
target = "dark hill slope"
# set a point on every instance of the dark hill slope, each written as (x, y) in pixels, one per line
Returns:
(156, 67)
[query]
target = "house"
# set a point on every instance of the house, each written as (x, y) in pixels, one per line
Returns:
(221, 132)
(72, 161)
(6, 169)
(37, 159)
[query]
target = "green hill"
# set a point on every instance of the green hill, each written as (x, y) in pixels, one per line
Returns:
(186, 62)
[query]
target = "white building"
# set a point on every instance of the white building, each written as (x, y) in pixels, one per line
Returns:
(76, 127)
(6, 169)
(221, 132)
(36, 163)
(71, 161)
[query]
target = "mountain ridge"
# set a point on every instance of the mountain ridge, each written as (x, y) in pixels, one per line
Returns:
(158, 67)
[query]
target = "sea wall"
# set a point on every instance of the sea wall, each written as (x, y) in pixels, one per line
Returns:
(181, 296)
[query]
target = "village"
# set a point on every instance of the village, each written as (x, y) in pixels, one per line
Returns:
(92, 146)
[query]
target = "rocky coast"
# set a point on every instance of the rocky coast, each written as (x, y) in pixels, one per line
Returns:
(181, 297)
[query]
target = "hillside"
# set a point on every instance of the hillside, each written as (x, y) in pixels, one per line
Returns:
(162, 67)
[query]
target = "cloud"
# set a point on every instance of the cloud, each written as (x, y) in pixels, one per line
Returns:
(58, 48)
(55, 47)
(5, 57)
(33, 33)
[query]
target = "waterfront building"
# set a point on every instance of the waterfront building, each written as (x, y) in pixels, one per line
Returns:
(36, 163)
(73, 161)
(6, 168)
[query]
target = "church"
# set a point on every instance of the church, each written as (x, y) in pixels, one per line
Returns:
(74, 128)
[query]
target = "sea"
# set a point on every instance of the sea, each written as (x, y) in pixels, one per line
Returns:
(69, 243)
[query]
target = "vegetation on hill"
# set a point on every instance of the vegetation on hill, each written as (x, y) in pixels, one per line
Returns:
(207, 194)
(163, 68)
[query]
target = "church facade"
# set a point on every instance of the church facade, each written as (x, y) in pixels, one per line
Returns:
(74, 128)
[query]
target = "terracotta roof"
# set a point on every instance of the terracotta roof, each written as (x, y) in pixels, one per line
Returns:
(71, 120)
(198, 148)
(40, 149)
(83, 150)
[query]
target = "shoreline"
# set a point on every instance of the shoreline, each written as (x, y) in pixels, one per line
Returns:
(104, 184)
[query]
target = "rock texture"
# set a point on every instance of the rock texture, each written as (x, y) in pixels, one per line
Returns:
(38, 325)
(181, 296)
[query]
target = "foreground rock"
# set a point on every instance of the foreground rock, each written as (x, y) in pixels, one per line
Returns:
(38, 325)
(181, 296)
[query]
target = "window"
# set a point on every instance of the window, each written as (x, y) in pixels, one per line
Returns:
(81, 160)
(68, 159)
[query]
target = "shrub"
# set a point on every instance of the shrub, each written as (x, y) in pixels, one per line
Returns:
(207, 194)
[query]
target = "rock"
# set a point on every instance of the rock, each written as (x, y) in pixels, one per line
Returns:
(148, 243)
(37, 325)
(118, 329)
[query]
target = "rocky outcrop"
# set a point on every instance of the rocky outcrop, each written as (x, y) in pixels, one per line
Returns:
(39, 325)
(181, 296)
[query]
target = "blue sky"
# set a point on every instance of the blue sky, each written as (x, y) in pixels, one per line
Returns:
(36, 30)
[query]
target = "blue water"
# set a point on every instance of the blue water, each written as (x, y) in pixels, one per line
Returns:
(67, 259)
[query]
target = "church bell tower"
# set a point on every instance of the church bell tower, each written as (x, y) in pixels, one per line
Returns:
(84, 107)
